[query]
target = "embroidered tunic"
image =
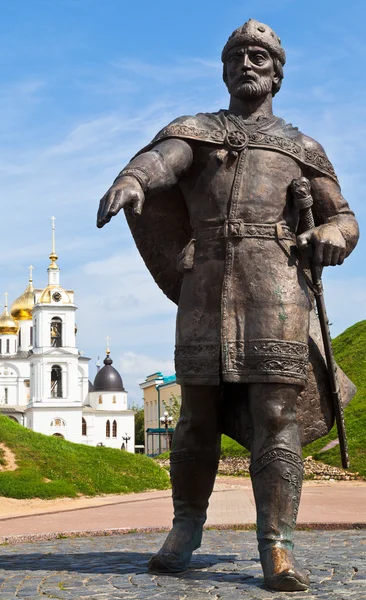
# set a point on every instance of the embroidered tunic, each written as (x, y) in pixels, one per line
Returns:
(243, 300)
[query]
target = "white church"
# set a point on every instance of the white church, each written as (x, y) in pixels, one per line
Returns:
(44, 379)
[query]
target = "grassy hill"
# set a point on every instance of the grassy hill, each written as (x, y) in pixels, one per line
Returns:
(50, 467)
(350, 353)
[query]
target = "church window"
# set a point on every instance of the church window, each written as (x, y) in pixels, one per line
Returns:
(114, 429)
(1, 350)
(56, 332)
(100, 400)
(56, 382)
(114, 400)
(8, 346)
(31, 336)
(6, 395)
(83, 427)
(15, 346)
(20, 337)
(108, 429)
(57, 422)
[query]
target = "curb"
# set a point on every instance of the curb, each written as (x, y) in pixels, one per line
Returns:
(43, 537)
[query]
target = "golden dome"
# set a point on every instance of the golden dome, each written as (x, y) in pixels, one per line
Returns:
(8, 326)
(21, 309)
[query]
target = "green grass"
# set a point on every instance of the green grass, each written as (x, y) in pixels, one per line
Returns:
(71, 469)
(228, 448)
(231, 448)
(350, 353)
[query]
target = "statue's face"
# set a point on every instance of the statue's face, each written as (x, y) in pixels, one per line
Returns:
(249, 72)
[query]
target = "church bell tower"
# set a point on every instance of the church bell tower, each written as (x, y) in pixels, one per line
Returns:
(54, 376)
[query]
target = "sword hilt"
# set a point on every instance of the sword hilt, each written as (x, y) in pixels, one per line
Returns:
(303, 201)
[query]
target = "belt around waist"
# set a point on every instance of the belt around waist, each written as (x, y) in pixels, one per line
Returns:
(237, 228)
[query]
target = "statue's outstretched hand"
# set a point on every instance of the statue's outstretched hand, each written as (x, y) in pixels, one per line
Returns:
(124, 191)
(329, 246)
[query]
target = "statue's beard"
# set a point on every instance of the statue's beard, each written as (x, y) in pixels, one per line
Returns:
(252, 89)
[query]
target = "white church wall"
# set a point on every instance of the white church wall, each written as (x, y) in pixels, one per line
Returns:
(112, 401)
(25, 335)
(8, 344)
(83, 380)
(90, 438)
(125, 426)
(14, 382)
(56, 420)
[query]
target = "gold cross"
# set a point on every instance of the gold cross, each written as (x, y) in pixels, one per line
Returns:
(31, 268)
(108, 340)
(6, 299)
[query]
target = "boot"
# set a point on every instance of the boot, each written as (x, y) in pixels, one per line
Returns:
(193, 477)
(277, 480)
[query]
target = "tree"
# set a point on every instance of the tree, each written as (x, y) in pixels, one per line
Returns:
(173, 408)
(139, 425)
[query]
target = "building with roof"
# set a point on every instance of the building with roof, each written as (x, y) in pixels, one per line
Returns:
(44, 379)
(159, 393)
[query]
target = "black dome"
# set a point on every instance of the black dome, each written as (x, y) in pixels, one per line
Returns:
(108, 379)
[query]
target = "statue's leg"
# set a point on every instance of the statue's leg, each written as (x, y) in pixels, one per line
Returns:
(277, 472)
(193, 466)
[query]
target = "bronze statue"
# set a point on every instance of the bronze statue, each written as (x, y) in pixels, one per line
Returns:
(211, 208)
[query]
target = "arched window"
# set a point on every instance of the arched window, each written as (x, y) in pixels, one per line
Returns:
(7, 346)
(100, 400)
(59, 435)
(20, 337)
(108, 429)
(56, 332)
(83, 427)
(57, 422)
(114, 429)
(114, 400)
(56, 382)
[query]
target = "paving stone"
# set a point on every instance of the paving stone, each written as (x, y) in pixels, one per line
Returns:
(225, 568)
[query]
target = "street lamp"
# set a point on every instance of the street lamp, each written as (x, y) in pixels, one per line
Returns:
(126, 438)
(166, 421)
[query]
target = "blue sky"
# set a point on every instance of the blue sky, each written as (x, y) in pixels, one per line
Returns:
(85, 84)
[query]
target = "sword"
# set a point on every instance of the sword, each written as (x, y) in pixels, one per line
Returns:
(303, 200)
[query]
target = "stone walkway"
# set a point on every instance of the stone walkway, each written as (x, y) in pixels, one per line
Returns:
(226, 567)
(232, 503)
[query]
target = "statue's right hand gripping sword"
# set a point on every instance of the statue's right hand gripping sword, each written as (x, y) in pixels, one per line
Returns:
(303, 200)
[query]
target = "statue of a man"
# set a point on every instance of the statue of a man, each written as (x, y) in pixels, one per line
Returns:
(209, 203)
